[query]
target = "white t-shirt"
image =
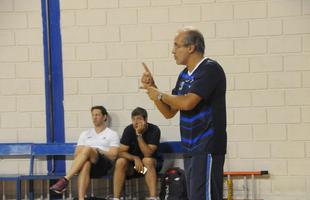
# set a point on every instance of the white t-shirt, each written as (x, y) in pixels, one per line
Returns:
(103, 140)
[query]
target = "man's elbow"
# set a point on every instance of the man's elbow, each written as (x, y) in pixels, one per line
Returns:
(187, 106)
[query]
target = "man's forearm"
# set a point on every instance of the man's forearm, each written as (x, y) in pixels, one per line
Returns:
(145, 149)
(127, 155)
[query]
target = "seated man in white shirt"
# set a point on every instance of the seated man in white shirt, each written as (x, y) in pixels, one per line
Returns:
(95, 153)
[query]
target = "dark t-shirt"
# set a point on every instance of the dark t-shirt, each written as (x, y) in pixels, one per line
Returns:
(150, 136)
(203, 129)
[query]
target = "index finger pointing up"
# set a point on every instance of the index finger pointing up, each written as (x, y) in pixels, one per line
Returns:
(145, 67)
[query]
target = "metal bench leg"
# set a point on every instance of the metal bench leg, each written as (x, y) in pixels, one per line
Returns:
(18, 187)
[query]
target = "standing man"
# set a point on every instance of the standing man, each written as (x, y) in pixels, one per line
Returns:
(199, 95)
(138, 153)
(95, 153)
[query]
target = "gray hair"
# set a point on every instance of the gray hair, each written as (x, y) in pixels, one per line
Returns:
(194, 37)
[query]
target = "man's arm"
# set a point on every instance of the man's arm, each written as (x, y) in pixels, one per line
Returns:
(146, 149)
(111, 154)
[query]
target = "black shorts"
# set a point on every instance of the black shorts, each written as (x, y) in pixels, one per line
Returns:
(132, 173)
(101, 167)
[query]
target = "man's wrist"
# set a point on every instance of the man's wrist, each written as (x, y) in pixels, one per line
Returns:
(139, 135)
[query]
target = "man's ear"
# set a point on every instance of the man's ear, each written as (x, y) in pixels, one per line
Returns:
(191, 48)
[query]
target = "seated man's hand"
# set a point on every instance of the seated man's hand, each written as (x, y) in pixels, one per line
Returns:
(138, 164)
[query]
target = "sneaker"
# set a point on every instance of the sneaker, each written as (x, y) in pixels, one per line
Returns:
(60, 186)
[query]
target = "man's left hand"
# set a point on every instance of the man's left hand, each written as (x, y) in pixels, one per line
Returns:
(153, 93)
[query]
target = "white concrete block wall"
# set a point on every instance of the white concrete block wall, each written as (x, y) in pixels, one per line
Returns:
(263, 46)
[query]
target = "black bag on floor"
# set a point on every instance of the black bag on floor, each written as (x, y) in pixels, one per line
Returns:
(173, 185)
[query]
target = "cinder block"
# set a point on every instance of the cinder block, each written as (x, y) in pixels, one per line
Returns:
(135, 68)
(121, 51)
(284, 115)
(67, 18)
(163, 83)
(76, 70)
(104, 34)
(253, 150)
(238, 164)
(71, 120)
(308, 149)
(74, 35)
(134, 3)
(305, 114)
(306, 79)
(239, 133)
(36, 53)
(299, 167)
(288, 150)
(276, 167)
(102, 4)
(85, 120)
(165, 2)
(122, 16)
(296, 25)
(15, 120)
(13, 20)
(34, 20)
(30, 70)
(110, 102)
(37, 86)
(270, 132)
(231, 152)
(90, 17)
(153, 15)
(8, 135)
(238, 99)
(93, 86)
(232, 29)
(170, 133)
(230, 116)
(165, 32)
(306, 43)
(7, 103)
(6, 5)
(166, 67)
(35, 135)
(197, 1)
(91, 52)
(31, 103)
(141, 100)
(14, 87)
(28, 37)
(250, 46)
(6, 37)
(297, 63)
(7, 70)
(218, 47)
(73, 4)
(250, 116)
(217, 12)
(250, 10)
(284, 8)
(72, 135)
(13, 53)
(120, 118)
(206, 28)
(284, 80)
(265, 27)
(305, 7)
(30, 5)
(106, 69)
(285, 45)
(38, 119)
(154, 116)
(268, 98)
(234, 65)
(248, 81)
(127, 85)
(77, 102)
(184, 14)
(289, 185)
(153, 50)
(298, 132)
(68, 53)
(266, 63)
(298, 97)
(135, 33)
(230, 82)
(70, 86)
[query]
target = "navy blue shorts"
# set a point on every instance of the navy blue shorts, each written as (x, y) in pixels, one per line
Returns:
(204, 176)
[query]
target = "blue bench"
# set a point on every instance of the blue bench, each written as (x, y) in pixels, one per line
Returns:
(36, 150)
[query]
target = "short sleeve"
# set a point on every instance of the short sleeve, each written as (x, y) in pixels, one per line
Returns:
(114, 140)
(81, 140)
(125, 139)
(154, 136)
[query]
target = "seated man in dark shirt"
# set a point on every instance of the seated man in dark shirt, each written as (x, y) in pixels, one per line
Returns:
(138, 153)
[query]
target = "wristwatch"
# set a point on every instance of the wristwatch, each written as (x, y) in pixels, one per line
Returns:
(139, 135)
(159, 97)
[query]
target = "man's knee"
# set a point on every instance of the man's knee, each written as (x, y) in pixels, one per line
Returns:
(149, 162)
(121, 163)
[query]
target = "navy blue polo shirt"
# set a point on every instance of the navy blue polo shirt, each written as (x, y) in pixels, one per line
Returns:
(203, 129)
